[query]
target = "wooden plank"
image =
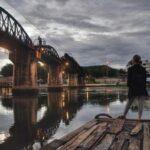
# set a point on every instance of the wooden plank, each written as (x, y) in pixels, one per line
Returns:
(105, 143)
(73, 143)
(91, 140)
(54, 145)
(57, 143)
(134, 144)
(146, 138)
(129, 126)
(125, 145)
(77, 131)
(113, 128)
(119, 141)
(116, 126)
(104, 134)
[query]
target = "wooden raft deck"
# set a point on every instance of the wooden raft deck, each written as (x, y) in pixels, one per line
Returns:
(104, 134)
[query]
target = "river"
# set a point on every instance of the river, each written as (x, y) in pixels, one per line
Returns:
(31, 122)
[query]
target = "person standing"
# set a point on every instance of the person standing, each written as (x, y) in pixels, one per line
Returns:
(136, 82)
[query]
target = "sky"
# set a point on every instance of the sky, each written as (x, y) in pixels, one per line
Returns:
(94, 32)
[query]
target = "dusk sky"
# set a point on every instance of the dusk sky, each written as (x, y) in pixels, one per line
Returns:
(92, 31)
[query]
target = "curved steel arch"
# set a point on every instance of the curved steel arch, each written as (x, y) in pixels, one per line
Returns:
(10, 25)
(49, 50)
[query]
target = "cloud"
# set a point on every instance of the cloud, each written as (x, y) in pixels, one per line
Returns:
(62, 2)
(92, 31)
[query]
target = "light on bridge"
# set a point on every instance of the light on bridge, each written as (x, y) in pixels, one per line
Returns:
(40, 63)
(66, 64)
(63, 104)
(63, 96)
(42, 49)
(67, 115)
(38, 54)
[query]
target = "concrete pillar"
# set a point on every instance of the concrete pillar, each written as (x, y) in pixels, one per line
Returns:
(54, 76)
(33, 73)
(81, 81)
(73, 79)
(25, 69)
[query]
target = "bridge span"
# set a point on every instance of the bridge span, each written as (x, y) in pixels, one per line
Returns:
(25, 55)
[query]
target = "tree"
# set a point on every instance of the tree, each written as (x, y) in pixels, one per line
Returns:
(7, 70)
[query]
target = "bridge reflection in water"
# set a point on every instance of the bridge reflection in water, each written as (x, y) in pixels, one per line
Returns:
(37, 119)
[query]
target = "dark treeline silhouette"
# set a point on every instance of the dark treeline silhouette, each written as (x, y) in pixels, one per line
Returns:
(103, 70)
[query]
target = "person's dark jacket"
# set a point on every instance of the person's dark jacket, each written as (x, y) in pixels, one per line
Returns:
(136, 81)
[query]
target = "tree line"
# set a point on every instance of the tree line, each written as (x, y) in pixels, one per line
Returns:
(103, 71)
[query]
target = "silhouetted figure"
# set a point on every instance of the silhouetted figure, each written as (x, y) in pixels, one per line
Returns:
(136, 83)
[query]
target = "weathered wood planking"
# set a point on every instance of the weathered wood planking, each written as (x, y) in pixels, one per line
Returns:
(54, 145)
(119, 141)
(57, 143)
(104, 134)
(116, 126)
(86, 126)
(146, 138)
(105, 143)
(134, 144)
(91, 140)
(74, 142)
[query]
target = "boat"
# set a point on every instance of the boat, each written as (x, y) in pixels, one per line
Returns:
(105, 133)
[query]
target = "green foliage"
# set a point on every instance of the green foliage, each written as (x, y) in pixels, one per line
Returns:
(7, 70)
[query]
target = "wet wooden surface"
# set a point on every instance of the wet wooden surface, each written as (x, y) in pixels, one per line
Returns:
(105, 134)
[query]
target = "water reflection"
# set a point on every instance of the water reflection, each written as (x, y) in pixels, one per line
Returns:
(39, 119)
(22, 132)
(7, 92)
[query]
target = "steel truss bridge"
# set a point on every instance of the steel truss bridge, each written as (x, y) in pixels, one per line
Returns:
(24, 54)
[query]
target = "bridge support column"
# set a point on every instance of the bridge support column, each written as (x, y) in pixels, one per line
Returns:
(81, 81)
(73, 79)
(25, 72)
(54, 77)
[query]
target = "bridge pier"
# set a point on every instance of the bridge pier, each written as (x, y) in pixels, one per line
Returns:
(73, 80)
(76, 80)
(24, 72)
(54, 77)
(81, 80)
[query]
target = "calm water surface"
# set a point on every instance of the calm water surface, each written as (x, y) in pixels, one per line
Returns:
(31, 122)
